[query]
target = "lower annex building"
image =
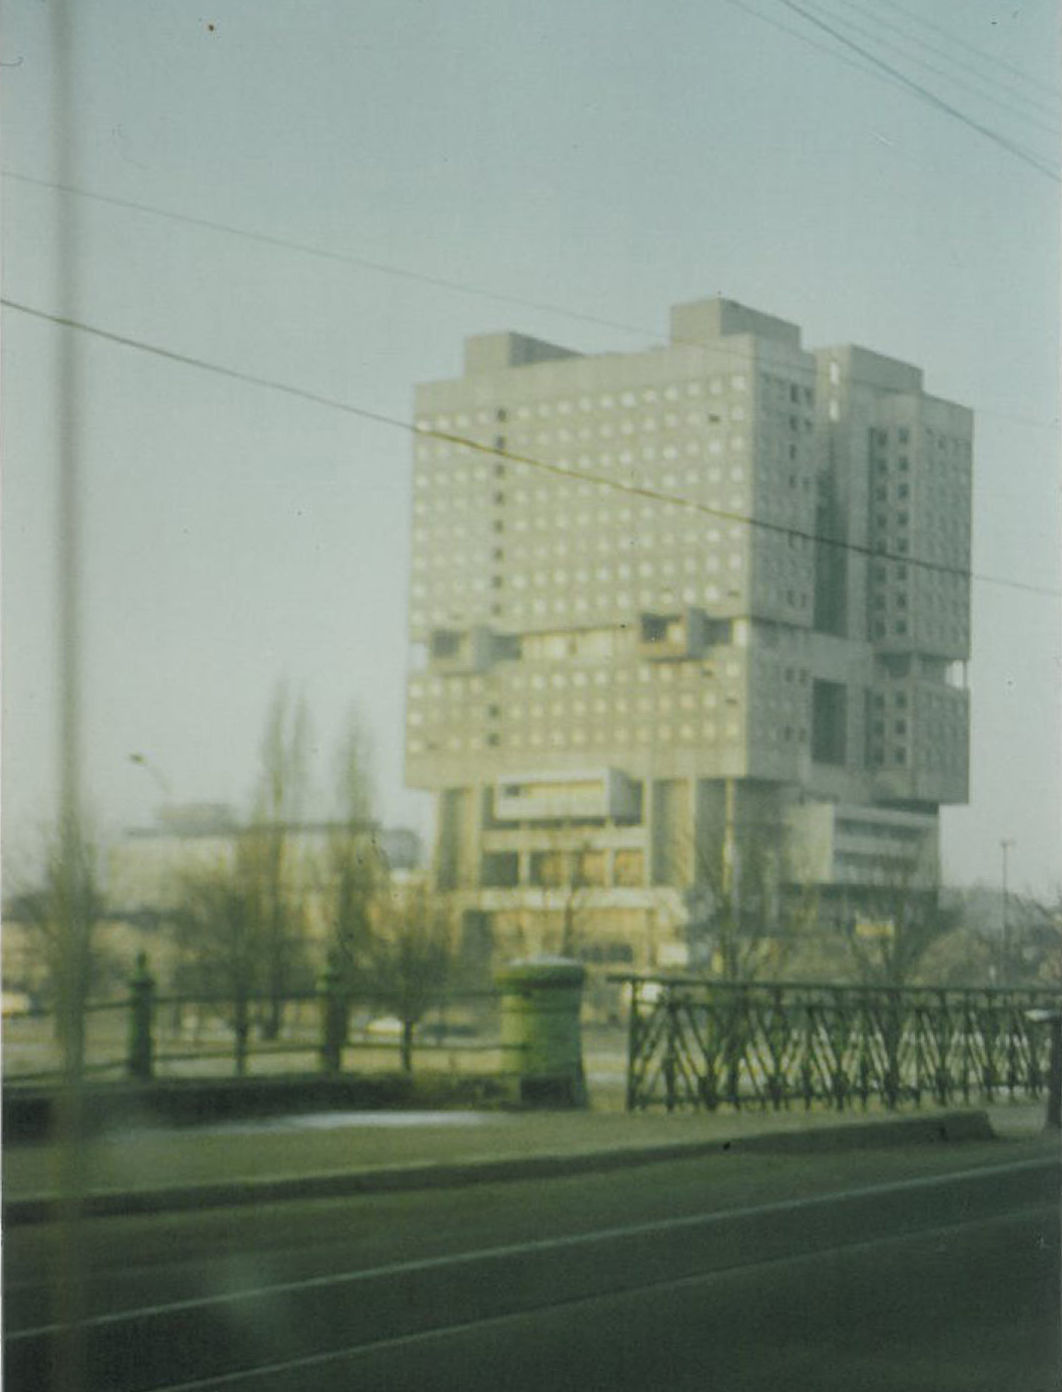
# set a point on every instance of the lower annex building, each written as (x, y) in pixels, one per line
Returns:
(682, 619)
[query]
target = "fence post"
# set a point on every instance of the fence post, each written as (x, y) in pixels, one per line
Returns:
(333, 1018)
(633, 1041)
(671, 1056)
(141, 1056)
(893, 1042)
(1053, 1019)
(1054, 1076)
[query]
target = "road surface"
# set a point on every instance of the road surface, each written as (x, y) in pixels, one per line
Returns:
(928, 1268)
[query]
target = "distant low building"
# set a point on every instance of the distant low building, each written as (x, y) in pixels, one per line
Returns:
(145, 868)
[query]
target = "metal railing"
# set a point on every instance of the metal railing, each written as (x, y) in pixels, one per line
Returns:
(145, 1035)
(698, 1043)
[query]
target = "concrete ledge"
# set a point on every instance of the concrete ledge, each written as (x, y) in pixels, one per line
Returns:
(28, 1112)
(943, 1128)
(858, 1134)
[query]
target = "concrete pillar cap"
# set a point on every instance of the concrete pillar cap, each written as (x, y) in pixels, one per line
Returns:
(545, 971)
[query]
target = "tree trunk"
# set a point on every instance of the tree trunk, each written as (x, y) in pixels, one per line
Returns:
(407, 1045)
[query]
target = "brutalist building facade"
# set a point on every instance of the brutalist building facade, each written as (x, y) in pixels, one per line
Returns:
(689, 625)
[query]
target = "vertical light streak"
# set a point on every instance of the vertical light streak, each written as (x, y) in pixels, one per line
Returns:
(71, 870)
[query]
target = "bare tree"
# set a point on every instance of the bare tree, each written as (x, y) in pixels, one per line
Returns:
(60, 918)
(903, 921)
(1039, 922)
(754, 908)
(411, 957)
(220, 930)
(356, 869)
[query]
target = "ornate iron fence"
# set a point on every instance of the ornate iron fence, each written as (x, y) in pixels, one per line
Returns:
(695, 1043)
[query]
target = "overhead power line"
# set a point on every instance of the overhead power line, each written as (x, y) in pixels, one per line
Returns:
(727, 352)
(541, 465)
(1005, 88)
(321, 253)
(804, 38)
(925, 94)
(991, 59)
(1003, 98)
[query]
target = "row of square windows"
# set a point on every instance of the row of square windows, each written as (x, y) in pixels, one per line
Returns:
(544, 410)
(543, 579)
(876, 757)
(933, 586)
(687, 555)
(892, 437)
(764, 727)
(460, 481)
(454, 696)
(763, 717)
(618, 554)
(555, 507)
(781, 423)
(606, 605)
(774, 388)
(700, 484)
(708, 732)
(647, 538)
(449, 464)
(460, 688)
(602, 606)
(457, 544)
(686, 733)
(640, 524)
(565, 707)
(769, 444)
(951, 627)
(946, 606)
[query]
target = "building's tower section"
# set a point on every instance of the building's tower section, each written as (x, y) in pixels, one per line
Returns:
(895, 494)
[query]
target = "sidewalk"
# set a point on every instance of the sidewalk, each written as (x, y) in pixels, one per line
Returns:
(145, 1169)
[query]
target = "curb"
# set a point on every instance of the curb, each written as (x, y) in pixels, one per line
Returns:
(944, 1128)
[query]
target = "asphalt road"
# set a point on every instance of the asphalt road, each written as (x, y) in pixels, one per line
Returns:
(916, 1269)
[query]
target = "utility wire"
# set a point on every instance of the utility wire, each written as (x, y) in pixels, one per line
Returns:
(979, 89)
(719, 350)
(543, 466)
(991, 59)
(321, 253)
(830, 50)
(926, 95)
(1006, 91)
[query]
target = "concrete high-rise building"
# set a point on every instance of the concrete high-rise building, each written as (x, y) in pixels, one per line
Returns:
(671, 605)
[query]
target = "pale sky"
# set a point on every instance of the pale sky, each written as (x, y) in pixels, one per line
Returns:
(605, 159)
